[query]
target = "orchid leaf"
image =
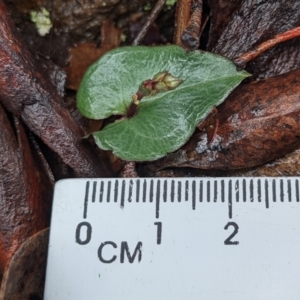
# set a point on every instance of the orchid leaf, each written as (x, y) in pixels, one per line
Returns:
(163, 121)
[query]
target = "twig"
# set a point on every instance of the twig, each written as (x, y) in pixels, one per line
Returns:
(152, 17)
(183, 14)
(191, 35)
(204, 25)
(242, 60)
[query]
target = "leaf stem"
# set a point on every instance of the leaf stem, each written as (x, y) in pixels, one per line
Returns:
(242, 60)
(132, 110)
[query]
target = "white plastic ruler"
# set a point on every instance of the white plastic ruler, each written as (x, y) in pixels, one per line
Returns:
(175, 239)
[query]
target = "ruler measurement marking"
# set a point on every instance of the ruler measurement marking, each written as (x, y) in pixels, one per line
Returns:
(230, 199)
(179, 191)
(116, 191)
(160, 191)
(101, 191)
(144, 190)
(151, 190)
(267, 193)
(130, 191)
(137, 191)
(259, 190)
(86, 199)
(123, 194)
(194, 194)
(172, 190)
(289, 190)
(244, 190)
(237, 193)
(201, 191)
(94, 191)
(186, 190)
(281, 191)
(157, 199)
(290, 187)
(208, 191)
(251, 190)
(223, 190)
(297, 190)
(215, 190)
(274, 189)
(108, 192)
(165, 190)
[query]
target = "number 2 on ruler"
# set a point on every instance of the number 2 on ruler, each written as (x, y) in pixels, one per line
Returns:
(228, 241)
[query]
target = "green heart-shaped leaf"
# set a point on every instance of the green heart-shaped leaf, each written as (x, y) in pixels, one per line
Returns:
(166, 120)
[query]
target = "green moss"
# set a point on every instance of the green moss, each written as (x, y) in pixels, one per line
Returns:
(42, 21)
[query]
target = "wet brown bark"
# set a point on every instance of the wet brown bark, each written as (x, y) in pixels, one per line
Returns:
(25, 193)
(25, 92)
(221, 12)
(254, 22)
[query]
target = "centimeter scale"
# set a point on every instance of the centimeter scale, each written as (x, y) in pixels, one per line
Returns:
(175, 239)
